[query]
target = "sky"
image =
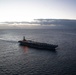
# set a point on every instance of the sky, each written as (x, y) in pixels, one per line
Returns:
(27, 10)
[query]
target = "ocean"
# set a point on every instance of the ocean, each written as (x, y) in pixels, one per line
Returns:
(17, 60)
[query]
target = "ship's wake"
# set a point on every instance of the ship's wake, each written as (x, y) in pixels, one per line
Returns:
(7, 40)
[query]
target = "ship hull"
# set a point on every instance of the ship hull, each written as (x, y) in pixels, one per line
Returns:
(38, 45)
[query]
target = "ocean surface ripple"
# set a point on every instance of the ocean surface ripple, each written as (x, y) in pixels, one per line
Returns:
(17, 60)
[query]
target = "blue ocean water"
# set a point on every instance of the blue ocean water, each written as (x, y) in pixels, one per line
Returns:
(17, 60)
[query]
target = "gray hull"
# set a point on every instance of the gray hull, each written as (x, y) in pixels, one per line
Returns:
(37, 45)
